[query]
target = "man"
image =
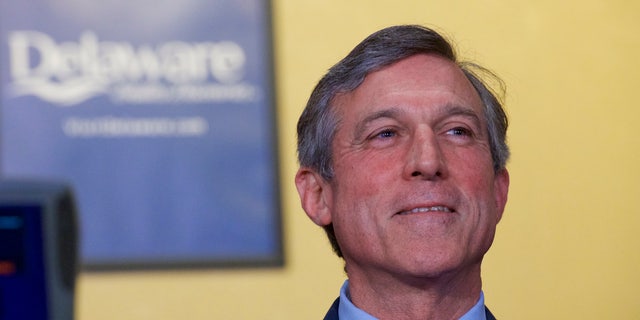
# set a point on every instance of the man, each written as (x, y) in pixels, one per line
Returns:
(402, 160)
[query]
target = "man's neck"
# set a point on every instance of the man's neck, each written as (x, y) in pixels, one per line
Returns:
(444, 297)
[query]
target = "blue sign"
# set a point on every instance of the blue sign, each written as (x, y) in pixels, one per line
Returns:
(161, 116)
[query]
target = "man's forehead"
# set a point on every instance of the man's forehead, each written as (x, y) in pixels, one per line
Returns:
(426, 71)
(433, 78)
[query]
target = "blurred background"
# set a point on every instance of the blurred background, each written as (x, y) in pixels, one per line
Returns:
(567, 246)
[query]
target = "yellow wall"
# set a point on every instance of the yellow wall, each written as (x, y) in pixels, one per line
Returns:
(568, 246)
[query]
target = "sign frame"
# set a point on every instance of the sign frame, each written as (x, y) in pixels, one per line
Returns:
(178, 123)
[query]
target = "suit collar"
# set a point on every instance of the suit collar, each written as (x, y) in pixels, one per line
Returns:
(332, 314)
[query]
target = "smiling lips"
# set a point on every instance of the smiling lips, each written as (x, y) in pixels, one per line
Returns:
(427, 209)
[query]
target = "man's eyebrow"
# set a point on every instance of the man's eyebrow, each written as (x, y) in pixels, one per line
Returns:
(450, 110)
(442, 112)
(361, 126)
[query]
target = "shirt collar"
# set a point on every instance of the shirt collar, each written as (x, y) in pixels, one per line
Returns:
(348, 311)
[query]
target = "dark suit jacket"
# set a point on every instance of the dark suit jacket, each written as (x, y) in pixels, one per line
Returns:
(333, 312)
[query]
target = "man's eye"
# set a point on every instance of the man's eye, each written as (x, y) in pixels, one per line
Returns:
(388, 133)
(459, 131)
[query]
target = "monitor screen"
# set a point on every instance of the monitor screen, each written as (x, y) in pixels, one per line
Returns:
(22, 263)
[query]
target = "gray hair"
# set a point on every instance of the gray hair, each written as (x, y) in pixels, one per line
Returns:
(318, 123)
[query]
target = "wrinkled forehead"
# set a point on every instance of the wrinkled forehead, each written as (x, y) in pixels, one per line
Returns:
(427, 76)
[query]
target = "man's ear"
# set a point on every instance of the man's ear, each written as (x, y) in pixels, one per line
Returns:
(315, 196)
(501, 189)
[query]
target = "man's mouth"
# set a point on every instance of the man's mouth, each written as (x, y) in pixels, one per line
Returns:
(427, 209)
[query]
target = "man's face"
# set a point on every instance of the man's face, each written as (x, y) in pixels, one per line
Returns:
(414, 191)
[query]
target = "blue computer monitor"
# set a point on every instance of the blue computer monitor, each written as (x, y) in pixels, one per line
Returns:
(38, 251)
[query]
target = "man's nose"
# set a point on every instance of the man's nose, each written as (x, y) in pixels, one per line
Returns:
(424, 158)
